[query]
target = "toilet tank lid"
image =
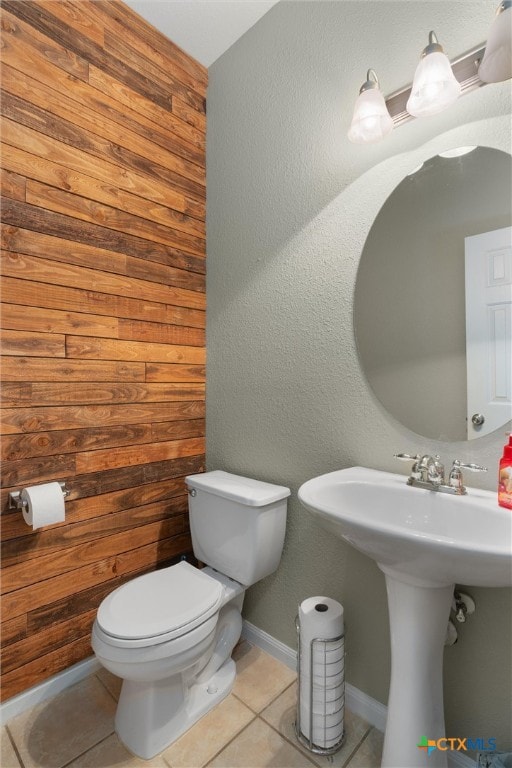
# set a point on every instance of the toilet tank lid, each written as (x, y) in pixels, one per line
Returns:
(245, 490)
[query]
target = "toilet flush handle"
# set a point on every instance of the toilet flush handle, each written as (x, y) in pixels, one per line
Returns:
(192, 492)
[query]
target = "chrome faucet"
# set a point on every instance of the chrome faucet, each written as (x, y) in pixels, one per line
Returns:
(428, 472)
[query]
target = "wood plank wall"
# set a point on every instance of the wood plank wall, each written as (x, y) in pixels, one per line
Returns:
(103, 289)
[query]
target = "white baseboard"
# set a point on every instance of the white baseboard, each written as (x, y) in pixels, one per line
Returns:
(48, 688)
(357, 701)
(366, 707)
(267, 643)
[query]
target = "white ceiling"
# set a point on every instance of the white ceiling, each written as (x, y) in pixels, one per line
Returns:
(202, 28)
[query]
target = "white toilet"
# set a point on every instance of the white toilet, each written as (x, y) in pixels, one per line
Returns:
(169, 634)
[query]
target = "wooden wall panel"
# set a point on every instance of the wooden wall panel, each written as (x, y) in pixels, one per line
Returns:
(103, 317)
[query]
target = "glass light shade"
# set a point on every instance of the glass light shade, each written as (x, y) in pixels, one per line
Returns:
(496, 64)
(434, 87)
(371, 120)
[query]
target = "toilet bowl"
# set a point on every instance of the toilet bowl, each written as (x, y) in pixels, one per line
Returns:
(160, 654)
(169, 634)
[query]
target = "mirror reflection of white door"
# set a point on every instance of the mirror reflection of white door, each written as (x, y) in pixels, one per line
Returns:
(488, 267)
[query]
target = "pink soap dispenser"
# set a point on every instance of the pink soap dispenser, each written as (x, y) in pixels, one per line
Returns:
(505, 476)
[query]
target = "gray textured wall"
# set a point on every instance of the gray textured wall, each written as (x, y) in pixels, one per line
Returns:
(290, 203)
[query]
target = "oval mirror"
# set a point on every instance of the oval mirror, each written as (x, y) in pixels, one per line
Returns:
(433, 297)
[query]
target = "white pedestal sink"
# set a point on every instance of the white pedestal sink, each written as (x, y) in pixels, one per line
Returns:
(425, 542)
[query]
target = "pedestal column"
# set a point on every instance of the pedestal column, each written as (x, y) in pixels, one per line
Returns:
(418, 618)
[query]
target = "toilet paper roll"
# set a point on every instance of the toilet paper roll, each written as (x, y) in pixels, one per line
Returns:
(324, 671)
(327, 726)
(330, 697)
(331, 653)
(328, 708)
(44, 505)
(319, 617)
(322, 720)
(330, 741)
(322, 687)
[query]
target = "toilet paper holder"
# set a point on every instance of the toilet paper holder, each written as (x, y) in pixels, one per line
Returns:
(301, 738)
(16, 502)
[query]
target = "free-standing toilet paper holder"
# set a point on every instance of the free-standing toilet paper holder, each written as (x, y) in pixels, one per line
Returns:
(16, 502)
(305, 741)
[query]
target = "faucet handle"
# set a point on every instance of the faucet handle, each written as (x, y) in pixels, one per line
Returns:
(455, 479)
(415, 473)
(406, 457)
(471, 467)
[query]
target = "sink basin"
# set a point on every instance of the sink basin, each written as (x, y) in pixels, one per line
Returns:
(427, 537)
(424, 541)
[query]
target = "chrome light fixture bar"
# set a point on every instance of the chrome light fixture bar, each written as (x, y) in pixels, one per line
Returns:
(437, 82)
(465, 69)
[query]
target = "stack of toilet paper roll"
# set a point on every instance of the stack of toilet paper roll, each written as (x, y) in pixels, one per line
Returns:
(321, 671)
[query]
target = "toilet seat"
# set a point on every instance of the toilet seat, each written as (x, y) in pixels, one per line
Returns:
(159, 606)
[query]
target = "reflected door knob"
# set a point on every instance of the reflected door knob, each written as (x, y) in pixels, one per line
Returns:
(477, 419)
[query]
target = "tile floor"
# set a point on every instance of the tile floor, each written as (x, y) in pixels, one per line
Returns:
(251, 728)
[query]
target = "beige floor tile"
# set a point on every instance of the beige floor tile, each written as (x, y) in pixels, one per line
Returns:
(281, 715)
(260, 678)
(207, 737)
(111, 682)
(259, 746)
(110, 753)
(369, 754)
(59, 730)
(8, 757)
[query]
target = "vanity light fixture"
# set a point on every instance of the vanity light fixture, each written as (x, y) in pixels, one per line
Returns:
(434, 87)
(437, 82)
(371, 120)
(496, 65)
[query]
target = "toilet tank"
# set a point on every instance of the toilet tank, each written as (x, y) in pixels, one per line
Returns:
(237, 524)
